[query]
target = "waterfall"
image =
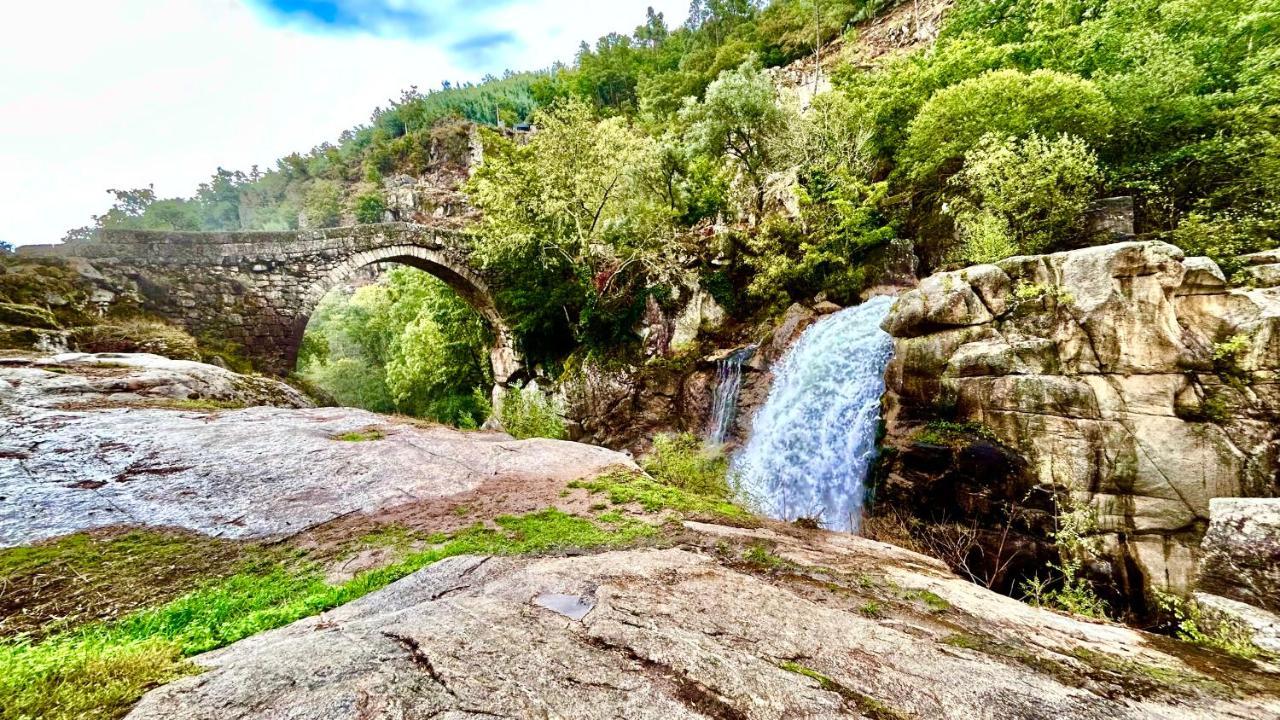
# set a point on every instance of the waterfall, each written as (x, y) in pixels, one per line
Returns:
(724, 400)
(815, 438)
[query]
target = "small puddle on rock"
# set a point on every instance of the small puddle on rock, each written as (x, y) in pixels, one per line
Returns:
(574, 607)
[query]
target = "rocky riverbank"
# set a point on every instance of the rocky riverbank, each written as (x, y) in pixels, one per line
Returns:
(90, 441)
(1137, 382)
(723, 623)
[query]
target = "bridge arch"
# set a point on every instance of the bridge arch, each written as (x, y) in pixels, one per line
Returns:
(461, 279)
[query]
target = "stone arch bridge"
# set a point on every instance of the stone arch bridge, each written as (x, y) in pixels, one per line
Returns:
(259, 289)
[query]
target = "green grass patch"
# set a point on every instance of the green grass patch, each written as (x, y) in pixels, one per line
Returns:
(760, 556)
(953, 434)
(683, 461)
(1143, 680)
(363, 435)
(933, 601)
(200, 404)
(99, 670)
(59, 584)
(392, 536)
(623, 488)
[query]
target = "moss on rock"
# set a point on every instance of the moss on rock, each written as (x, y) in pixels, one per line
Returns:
(145, 336)
(28, 316)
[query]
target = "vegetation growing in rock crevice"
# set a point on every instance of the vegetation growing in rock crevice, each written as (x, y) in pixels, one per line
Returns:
(1074, 535)
(1194, 624)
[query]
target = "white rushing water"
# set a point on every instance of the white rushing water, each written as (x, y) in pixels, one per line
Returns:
(724, 401)
(815, 438)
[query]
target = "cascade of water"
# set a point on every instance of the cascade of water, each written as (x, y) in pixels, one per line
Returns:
(724, 400)
(815, 438)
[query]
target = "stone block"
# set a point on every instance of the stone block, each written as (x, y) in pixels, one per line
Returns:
(1242, 551)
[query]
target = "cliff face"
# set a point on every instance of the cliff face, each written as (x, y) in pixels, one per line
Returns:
(1135, 380)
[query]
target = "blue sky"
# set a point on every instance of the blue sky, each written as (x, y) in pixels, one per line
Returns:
(129, 92)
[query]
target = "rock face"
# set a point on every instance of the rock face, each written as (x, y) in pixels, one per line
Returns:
(686, 633)
(1242, 551)
(623, 407)
(1239, 579)
(94, 445)
(1126, 375)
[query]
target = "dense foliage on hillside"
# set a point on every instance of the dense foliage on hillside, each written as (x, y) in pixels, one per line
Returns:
(991, 142)
(1175, 103)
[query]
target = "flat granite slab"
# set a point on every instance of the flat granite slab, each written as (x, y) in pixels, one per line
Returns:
(260, 472)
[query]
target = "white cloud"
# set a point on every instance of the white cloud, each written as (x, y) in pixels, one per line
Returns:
(120, 94)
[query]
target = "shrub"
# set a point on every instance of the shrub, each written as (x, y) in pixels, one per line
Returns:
(1191, 623)
(369, 208)
(526, 412)
(1228, 354)
(1004, 103)
(1021, 196)
(685, 462)
(137, 336)
(1222, 237)
(983, 237)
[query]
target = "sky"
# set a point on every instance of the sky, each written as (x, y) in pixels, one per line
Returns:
(98, 94)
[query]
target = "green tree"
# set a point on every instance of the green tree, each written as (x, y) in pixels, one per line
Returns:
(323, 204)
(571, 225)
(140, 209)
(439, 362)
(369, 208)
(219, 200)
(740, 118)
(405, 344)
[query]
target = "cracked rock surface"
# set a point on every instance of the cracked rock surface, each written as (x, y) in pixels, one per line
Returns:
(1137, 378)
(78, 451)
(692, 631)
